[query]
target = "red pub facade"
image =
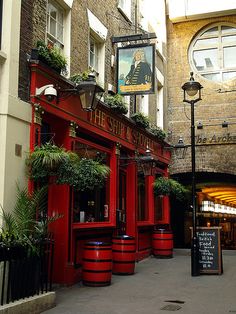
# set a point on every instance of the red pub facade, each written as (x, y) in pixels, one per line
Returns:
(126, 205)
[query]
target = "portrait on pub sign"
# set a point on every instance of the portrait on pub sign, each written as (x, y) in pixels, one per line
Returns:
(135, 69)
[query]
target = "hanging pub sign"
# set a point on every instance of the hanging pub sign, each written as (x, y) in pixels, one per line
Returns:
(135, 69)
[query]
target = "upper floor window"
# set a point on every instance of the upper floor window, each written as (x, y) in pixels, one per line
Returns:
(93, 54)
(55, 24)
(125, 7)
(212, 53)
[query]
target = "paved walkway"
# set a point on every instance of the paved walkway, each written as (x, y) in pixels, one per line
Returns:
(159, 286)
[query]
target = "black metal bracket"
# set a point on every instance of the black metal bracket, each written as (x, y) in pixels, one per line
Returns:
(135, 37)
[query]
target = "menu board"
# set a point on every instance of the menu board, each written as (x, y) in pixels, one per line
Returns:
(210, 255)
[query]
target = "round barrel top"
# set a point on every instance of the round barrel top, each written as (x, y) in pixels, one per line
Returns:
(97, 243)
(123, 237)
(163, 231)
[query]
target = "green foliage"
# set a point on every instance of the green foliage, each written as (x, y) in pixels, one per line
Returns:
(140, 119)
(87, 174)
(52, 56)
(157, 132)
(166, 186)
(51, 160)
(116, 103)
(21, 226)
(44, 161)
(79, 77)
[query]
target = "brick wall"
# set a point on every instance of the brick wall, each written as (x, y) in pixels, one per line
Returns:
(33, 26)
(212, 110)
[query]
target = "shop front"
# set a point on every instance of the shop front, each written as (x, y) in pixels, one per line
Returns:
(126, 204)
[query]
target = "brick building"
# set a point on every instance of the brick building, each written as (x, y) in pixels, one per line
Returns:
(84, 32)
(203, 41)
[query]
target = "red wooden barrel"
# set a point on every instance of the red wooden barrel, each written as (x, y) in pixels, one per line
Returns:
(123, 255)
(97, 264)
(162, 243)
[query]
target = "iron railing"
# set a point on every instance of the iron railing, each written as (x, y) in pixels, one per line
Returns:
(24, 272)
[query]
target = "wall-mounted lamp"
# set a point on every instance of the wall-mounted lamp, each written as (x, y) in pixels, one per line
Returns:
(180, 149)
(225, 124)
(199, 125)
(89, 92)
(147, 162)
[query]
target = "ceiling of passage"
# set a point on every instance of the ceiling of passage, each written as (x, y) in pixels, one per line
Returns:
(221, 194)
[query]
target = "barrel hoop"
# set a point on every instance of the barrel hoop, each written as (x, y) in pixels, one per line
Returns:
(97, 271)
(97, 249)
(96, 260)
(162, 249)
(123, 243)
(96, 282)
(133, 251)
(162, 239)
(162, 232)
(123, 262)
(97, 243)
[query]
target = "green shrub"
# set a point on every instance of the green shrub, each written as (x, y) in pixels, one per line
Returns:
(117, 103)
(140, 119)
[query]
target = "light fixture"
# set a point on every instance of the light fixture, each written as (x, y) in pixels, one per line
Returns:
(180, 149)
(199, 125)
(146, 162)
(88, 90)
(193, 89)
(225, 124)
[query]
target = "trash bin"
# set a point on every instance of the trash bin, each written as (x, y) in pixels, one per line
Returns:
(162, 243)
(97, 264)
(123, 255)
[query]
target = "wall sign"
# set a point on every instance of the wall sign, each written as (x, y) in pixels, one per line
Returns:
(215, 139)
(210, 257)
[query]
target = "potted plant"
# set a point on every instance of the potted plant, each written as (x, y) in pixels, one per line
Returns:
(116, 103)
(79, 77)
(166, 186)
(140, 119)
(66, 167)
(50, 55)
(157, 132)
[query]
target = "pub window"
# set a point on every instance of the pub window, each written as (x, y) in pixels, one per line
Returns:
(93, 205)
(158, 204)
(142, 213)
(212, 53)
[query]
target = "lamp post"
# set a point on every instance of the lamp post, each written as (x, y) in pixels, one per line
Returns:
(193, 90)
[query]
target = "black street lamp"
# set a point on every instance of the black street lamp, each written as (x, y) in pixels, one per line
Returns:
(193, 90)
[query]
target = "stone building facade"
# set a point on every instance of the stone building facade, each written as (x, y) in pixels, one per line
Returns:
(215, 114)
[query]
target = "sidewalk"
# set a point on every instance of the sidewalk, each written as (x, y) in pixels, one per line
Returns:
(159, 286)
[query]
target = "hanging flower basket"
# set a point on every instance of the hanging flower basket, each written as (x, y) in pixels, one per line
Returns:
(166, 186)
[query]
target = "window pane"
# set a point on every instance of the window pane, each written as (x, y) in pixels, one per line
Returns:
(158, 205)
(202, 43)
(229, 39)
(60, 32)
(228, 29)
(205, 59)
(52, 26)
(229, 57)
(213, 77)
(141, 197)
(210, 32)
(229, 76)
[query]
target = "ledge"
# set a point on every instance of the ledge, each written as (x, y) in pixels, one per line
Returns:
(36, 304)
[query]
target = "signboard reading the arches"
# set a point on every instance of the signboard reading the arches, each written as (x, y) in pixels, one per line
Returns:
(135, 69)
(210, 255)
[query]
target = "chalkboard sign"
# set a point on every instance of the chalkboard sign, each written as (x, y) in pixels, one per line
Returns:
(210, 255)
